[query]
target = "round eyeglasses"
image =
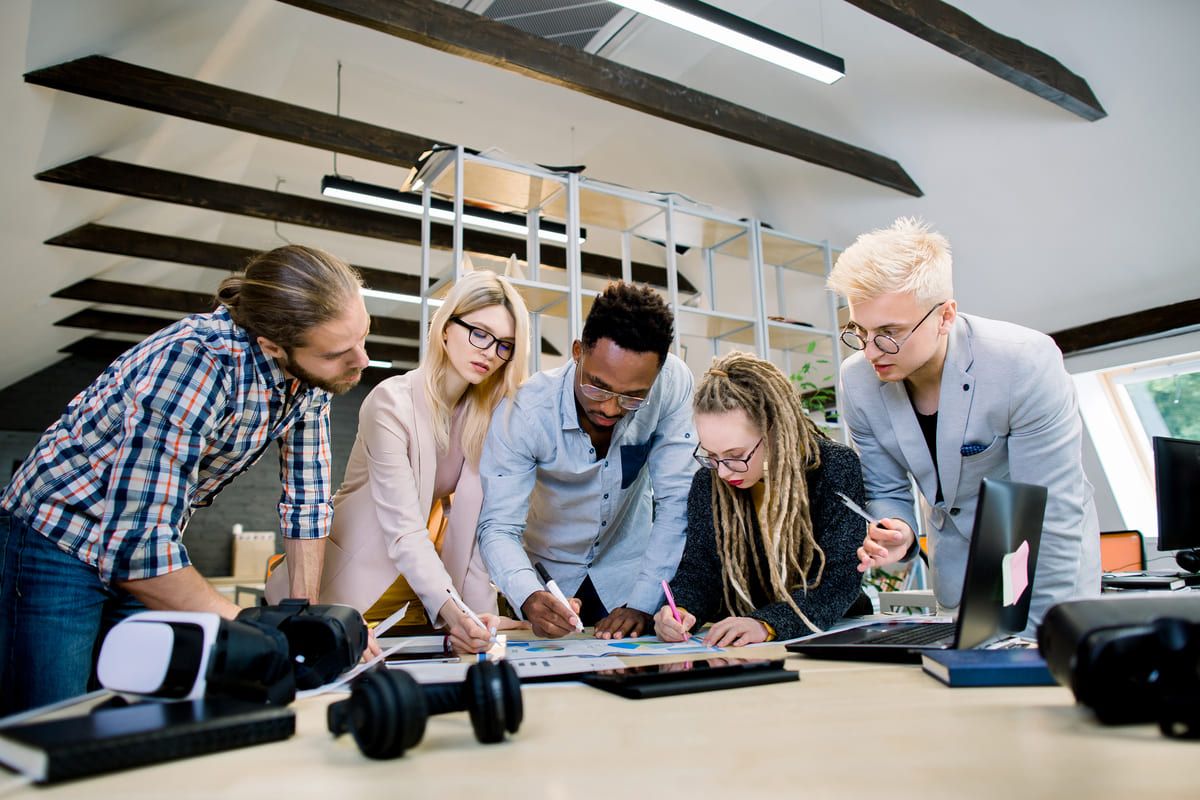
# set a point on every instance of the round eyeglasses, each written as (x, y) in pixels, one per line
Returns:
(482, 340)
(886, 344)
(731, 464)
(598, 395)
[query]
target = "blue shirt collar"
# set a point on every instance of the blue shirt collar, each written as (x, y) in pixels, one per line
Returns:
(569, 412)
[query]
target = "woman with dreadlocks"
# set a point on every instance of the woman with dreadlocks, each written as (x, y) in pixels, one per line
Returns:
(770, 551)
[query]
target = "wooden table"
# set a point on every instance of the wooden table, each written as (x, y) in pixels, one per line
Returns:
(845, 730)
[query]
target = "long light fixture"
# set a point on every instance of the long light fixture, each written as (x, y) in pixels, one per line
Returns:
(409, 204)
(398, 297)
(742, 34)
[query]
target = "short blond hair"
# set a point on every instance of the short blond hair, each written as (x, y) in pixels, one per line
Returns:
(907, 257)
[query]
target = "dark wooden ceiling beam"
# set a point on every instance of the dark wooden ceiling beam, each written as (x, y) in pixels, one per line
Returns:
(175, 249)
(462, 33)
(94, 319)
(126, 294)
(959, 33)
(128, 84)
(149, 183)
(94, 290)
(1127, 327)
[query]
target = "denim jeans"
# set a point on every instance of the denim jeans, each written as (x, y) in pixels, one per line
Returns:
(54, 612)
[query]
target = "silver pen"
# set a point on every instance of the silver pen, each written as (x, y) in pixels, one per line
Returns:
(856, 508)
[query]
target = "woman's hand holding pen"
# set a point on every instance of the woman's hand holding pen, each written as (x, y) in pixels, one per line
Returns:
(466, 636)
(668, 629)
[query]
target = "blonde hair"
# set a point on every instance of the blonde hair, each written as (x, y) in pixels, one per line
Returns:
(473, 291)
(907, 257)
(790, 441)
(286, 291)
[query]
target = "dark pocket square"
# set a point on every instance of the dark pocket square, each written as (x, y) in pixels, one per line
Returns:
(972, 449)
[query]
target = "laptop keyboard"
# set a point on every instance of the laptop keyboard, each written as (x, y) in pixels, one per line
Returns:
(917, 634)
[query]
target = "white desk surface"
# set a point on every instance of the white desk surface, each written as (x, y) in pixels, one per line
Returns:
(844, 730)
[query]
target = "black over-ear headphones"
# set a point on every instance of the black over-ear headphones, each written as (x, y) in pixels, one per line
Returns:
(387, 710)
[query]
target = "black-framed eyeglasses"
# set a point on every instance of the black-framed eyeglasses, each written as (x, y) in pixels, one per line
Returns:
(482, 340)
(731, 464)
(886, 344)
(596, 394)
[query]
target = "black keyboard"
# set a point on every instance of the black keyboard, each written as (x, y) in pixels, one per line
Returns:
(928, 633)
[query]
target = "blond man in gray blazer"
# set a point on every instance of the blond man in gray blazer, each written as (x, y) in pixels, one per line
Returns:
(948, 399)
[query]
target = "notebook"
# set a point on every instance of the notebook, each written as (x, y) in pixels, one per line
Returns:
(1010, 667)
(112, 739)
(996, 588)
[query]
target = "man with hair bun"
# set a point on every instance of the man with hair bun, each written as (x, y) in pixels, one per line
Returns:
(588, 471)
(92, 522)
(948, 399)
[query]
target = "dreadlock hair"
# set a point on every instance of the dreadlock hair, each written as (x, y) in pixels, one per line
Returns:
(790, 442)
(634, 317)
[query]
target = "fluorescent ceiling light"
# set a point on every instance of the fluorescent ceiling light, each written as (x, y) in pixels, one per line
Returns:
(409, 204)
(742, 34)
(384, 364)
(400, 298)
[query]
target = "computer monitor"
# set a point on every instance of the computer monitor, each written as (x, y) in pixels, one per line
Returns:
(1177, 489)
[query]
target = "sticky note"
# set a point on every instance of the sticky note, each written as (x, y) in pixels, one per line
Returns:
(1014, 572)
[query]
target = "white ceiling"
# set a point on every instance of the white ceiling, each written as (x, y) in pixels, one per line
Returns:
(1055, 221)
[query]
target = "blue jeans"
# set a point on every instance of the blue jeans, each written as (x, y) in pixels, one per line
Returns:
(54, 612)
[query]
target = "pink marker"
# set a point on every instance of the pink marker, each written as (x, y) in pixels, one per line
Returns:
(671, 603)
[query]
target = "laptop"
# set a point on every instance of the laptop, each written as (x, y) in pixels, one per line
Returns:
(996, 589)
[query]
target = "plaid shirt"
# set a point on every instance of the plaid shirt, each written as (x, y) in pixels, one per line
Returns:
(160, 433)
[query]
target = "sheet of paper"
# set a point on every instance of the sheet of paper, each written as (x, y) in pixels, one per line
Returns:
(586, 646)
(450, 672)
(1014, 569)
(386, 625)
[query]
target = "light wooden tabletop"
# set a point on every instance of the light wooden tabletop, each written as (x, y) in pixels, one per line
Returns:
(844, 730)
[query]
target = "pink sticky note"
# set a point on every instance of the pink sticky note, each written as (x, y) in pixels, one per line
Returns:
(1014, 569)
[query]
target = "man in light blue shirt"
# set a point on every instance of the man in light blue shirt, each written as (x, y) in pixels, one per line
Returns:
(588, 473)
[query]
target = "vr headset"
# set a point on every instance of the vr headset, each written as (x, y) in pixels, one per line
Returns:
(263, 656)
(1130, 658)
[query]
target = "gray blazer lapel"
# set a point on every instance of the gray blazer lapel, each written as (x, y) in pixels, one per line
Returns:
(954, 406)
(908, 434)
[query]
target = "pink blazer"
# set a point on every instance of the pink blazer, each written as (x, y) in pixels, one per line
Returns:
(381, 512)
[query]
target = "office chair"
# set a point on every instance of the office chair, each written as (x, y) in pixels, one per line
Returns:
(1122, 551)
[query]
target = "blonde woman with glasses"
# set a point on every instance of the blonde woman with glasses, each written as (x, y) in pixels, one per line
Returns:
(770, 551)
(419, 440)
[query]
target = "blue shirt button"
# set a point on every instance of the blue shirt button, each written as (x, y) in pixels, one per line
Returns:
(605, 497)
(603, 523)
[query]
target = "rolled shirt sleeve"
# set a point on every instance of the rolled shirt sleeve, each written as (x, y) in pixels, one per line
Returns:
(508, 471)
(671, 469)
(305, 508)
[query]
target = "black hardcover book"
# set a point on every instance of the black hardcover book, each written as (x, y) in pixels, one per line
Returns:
(113, 739)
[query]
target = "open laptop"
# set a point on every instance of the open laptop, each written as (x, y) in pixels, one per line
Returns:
(996, 589)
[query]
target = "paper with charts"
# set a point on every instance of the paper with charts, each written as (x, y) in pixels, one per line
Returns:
(587, 647)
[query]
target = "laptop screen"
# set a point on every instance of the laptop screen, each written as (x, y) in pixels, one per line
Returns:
(998, 584)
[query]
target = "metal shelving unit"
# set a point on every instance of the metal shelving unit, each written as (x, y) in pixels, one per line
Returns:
(782, 312)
